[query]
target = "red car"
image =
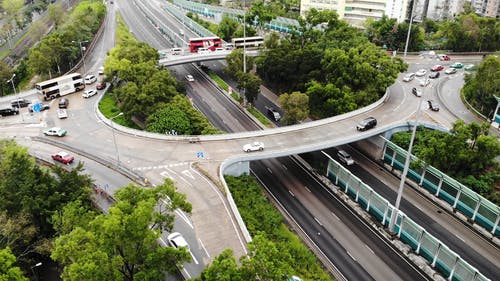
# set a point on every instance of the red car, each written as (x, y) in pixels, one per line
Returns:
(443, 57)
(437, 67)
(100, 85)
(63, 157)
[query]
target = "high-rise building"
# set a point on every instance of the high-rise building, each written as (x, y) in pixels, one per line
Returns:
(486, 8)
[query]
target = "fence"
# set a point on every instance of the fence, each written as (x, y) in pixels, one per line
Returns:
(444, 260)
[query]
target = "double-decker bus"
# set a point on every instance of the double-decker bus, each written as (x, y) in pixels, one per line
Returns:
(60, 86)
(204, 42)
(248, 42)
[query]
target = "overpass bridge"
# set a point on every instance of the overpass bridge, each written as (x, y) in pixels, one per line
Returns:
(187, 57)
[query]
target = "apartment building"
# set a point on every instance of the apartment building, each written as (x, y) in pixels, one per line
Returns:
(486, 8)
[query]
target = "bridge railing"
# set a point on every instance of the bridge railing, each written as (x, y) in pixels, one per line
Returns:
(187, 22)
(439, 256)
(461, 198)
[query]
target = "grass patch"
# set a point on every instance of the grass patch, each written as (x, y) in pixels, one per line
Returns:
(109, 109)
(259, 116)
(218, 80)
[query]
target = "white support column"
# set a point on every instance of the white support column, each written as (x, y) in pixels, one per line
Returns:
(393, 158)
(417, 251)
(369, 201)
(496, 224)
(476, 209)
(400, 225)
(423, 177)
(436, 255)
(385, 213)
(456, 198)
(357, 191)
(439, 186)
(450, 278)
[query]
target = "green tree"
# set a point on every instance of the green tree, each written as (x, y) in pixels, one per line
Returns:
(55, 13)
(8, 270)
(167, 119)
(123, 245)
(234, 63)
(227, 27)
(295, 106)
(480, 89)
(223, 268)
(251, 84)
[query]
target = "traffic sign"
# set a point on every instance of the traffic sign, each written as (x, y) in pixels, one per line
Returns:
(37, 107)
(200, 155)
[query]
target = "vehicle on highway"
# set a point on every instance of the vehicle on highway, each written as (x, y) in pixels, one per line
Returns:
(254, 146)
(100, 85)
(424, 82)
(63, 103)
(63, 157)
(62, 113)
(416, 92)
(89, 79)
(219, 49)
(366, 124)
(190, 78)
(100, 71)
(203, 42)
(176, 240)
(20, 103)
(443, 57)
(470, 67)
(434, 75)
(457, 65)
(345, 157)
(55, 131)
(408, 77)
(421, 72)
(60, 86)
(9, 111)
(204, 51)
(248, 42)
(176, 51)
(273, 113)
(450, 71)
(437, 67)
(433, 105)
(89, 93)
(43, 106)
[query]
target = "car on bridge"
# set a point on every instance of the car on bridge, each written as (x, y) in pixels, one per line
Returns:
(63, 157)
(254, 146)
(367, 124)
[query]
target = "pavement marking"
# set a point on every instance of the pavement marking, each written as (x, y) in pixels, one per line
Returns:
(307, 189)
(161, 166)
(318, 221)
(163, 242)
(184, 218)
(352, 257)
(335, 216)
(166, 175)
(188, 174)
(270, 171)
(460, 238)
(284, 167)
(186, 272)
(194, 258)
(203, 246)
(291, 193)
(370, 249)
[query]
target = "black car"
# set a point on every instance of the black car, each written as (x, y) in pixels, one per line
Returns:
(20, 103)
(63, 103)
(433, 105)
(366, 124)
(434, 75)
(416, 92)
(9, 111)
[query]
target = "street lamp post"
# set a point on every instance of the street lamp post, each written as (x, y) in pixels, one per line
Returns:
(409, 28)
(11, 80)
(83, 58)
(395, 211)
(114, 138)
(244, 51)
(33, 271)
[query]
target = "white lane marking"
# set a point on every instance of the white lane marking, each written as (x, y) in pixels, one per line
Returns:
(188, 174)
(335, 216)
(291, 193)
(203, 246)
(187, 273)
(194, 258)
(307, 189)
(186, 181)
(318, 221)
(166, 175)
(184, 217)
(351, 256)
(270, 171)
(172, 171)
(284, 167)
(460, 238)
(370, 249)
(163, 242)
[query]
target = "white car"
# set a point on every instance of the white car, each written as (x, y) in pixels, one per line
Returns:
(62, 113)
(450, 71)
(89, 79)
(408, 77)
(345, 157)
(100, 71)
(176, 240)
(190, 78)
(421, 72)
(424, 82)
(89, 93)
(254, 146)
(55, 131)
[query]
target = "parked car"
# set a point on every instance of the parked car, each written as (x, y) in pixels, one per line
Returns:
(443, 57)
(190, 78)
(434, 75)
(89, 93)
(63, 157)
(254, 146)
(416, 92)
(20, 103)
(100, 85)
(408, 77)
(424, 82)
(177, 240)
(89, 79)
(55, 131)
(63, 103)
(366, 124)
(345, 157)
(437, 67)
(421, 72)
(62, 113)
(9, 111)
(433, 105)
(43, 107)
(457, 65)
(450, 71)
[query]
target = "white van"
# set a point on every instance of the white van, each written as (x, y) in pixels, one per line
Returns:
(176, 51)
(219, 49)
(204, 51)
(229, 46)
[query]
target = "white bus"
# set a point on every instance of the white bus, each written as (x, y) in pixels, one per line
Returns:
(248, 42)
(60, 86)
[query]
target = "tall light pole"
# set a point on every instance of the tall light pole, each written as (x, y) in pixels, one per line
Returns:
(33, 271)
(409, 28)
(244, 51)
(395, 211)
(83, 58)
(11, 80)
(114, 138)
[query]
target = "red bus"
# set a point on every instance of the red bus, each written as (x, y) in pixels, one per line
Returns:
(204, 42)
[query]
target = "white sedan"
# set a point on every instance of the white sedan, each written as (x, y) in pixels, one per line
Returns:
(89, 93)
(254, 146)
(421, 72)
(189, 78)
(177, 240)
(61, 113)
(55, 131)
